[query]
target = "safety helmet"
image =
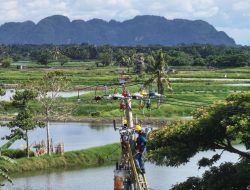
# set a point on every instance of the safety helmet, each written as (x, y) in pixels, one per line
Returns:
(138, 128)
(125, 122)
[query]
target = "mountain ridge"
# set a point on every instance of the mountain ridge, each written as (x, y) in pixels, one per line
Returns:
(141, 30)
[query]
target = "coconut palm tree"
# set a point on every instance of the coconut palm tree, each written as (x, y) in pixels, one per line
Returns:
(3, 171)
(158, 69)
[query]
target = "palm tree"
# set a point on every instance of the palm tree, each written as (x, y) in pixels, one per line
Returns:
(3, 171)
(127, 61)
(159, 73)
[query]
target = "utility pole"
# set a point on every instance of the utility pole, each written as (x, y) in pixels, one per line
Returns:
(126, 176)
(129, 114)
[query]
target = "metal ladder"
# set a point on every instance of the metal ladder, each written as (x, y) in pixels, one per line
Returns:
(139, 178)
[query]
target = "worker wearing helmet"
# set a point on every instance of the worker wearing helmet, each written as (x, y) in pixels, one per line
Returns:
(140, 147)
(125, 124)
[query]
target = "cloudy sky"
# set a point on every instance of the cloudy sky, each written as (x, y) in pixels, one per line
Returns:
(231, 16)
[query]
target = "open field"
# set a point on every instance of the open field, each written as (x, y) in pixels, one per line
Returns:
(187, 95)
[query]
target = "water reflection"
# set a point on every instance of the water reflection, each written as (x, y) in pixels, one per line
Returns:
(98, 127)
(74, 135)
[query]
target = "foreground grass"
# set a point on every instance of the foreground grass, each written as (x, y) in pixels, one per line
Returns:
(91, 157)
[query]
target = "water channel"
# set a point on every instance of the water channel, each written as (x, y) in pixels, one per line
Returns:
(78, 135)
(9, 93)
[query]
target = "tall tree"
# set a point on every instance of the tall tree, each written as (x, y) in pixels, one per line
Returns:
(22, 124)
(215, 127)
(24, 121)
(63, 59)
(44, 57)
(139, 64)
(48, 90)
(105, 58)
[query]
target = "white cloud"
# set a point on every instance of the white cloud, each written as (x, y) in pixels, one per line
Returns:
(241, 5)
(8, 10)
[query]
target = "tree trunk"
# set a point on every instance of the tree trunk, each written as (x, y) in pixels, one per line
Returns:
(48, 132)
(158, 82)
(48, 138)
(27, 144)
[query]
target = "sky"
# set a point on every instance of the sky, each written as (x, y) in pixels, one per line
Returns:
(231, 16)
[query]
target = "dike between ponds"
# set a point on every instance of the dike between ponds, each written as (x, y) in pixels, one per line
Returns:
(91, 157)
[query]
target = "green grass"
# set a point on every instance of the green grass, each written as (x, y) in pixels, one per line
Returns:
(91, 157)
(187, 94)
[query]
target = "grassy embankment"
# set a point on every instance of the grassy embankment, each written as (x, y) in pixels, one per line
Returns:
(91, 157)
(187, 95)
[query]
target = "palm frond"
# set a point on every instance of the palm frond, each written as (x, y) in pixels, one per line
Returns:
(5, 158)
(5, 176)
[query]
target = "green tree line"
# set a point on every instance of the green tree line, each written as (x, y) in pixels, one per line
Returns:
(191, 55)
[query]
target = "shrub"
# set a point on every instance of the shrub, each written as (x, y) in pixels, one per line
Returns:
(6, 62)
(16, 153)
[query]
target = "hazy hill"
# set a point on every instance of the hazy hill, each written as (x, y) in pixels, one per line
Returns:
(141, 30)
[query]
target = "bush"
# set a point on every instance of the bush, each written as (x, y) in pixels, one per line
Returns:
(6, 62)
(95, 114)
(16, 153)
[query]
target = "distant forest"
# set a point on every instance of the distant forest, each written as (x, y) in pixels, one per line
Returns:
(192, 55)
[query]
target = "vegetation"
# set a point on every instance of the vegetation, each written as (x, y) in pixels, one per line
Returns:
(226, 176)
(192, 55)
(6, 62)
(3, 170)
(215, 127)
(81, 158)
(53, 83)
(16, 153)
(24, 121)
(157, 68)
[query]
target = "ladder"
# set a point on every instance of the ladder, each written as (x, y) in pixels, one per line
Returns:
(139, 178)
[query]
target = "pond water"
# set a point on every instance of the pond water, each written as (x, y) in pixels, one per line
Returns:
(9, 93)
(240, 84)
(210, 79)
(159, 178)
(74, 135)
(82, 135)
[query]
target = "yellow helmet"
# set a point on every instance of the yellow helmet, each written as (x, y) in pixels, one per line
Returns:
(125, 122)
(138, 128)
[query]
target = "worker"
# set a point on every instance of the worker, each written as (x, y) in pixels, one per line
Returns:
(140, 147)
(125, 123)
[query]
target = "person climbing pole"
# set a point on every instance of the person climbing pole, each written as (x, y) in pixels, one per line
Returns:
(140, 147)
